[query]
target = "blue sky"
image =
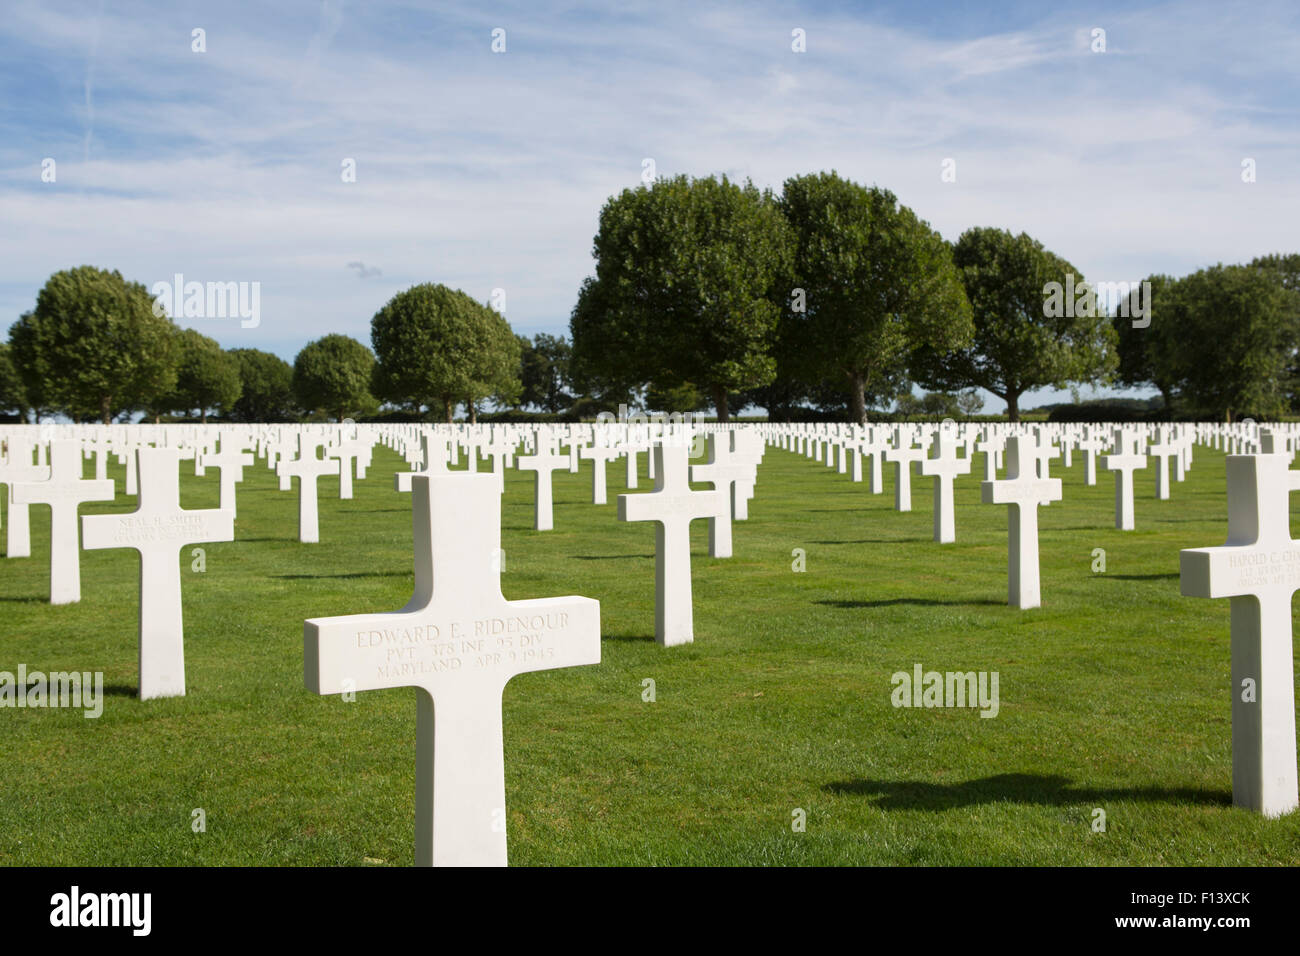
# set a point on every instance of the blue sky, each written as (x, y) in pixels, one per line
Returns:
(487, 170)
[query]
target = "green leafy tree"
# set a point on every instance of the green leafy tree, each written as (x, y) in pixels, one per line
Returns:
(683, 292)
(1233, 336)
(1037, 322)
(94, 345)
(544, 372)
(334, 374)
(207, 378)
(870, 283)
(266, 393)
(13, 394)
(437, 347)
(1145, 349)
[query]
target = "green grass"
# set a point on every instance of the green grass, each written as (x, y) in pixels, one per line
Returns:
(1113, 695)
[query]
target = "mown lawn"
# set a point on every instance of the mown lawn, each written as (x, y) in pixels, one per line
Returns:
(1114, 695)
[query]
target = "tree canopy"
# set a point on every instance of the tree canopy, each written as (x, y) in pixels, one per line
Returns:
(93, 346)
(333, 374)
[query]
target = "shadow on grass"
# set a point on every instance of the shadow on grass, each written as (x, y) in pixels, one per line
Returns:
(635, 638)
(914, 602)
(350, 574)
(877, 541)
(35, 599)
(121, 690)
(1052, 791)
(608, 557)
(1172, 575)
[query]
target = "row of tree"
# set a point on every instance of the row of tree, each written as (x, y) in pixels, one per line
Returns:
(835, 296)
(831, 299)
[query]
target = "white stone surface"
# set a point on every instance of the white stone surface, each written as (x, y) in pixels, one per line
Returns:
(458, 641)
(1022, 491)
(1258, 569)
(64, 491)
(672, 506)
(159, 529)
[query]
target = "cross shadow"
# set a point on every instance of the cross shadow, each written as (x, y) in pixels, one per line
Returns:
(121, 690)
(876, 541)
(635, 638)
(609, 557)
(351, 574)
(911, 602)
(26, 600)
(1142, 577)
(1051, 791)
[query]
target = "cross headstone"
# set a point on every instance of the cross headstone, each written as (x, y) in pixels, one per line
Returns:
(723, 471)
(1258, 569)
(230, 463)
(944, 465)
(64, 492)
(1162, 451)
(1022, 491)
(1124, 461)
(672, 506)
(458, 641)
(902, 455)
(18, 469)
(434, 453)
(542, 464)
(159, 529)
(599, 453)
(307, 468)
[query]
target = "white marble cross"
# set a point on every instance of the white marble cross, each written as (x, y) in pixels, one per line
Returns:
(18, 469)
(458, 641)
(230, 462)
(723, 471)
(1124, 461)
(599, 453)
(307, 468)
(672, 506)
(944, 465)
(64, 492)
(542, 464)
(1259, 570)
(159, 529)
(1162, 451)
(902, 455)
(434, 453)
(1023, 491)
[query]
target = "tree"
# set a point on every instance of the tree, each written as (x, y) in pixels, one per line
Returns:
(1233, 335)
(333, 373)
(544, 372)
(870, 284)
(683, 291)
(94, 345)
(437, 346)
(13, 395)
(1037, 323)
(206, 376)
(266, 393)
(1145, 350)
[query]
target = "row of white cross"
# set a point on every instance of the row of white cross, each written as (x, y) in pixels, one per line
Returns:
(458, 641)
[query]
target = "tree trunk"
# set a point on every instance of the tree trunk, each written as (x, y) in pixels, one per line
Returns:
(203, 415)
(720, 403)
(106, 410)
(858, 399)
(473, 412)
(1013, 406)
(446, 407)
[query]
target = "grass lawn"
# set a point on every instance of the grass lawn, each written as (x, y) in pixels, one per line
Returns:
(1114, 695)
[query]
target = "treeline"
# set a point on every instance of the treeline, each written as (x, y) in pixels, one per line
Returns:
(829, 301)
